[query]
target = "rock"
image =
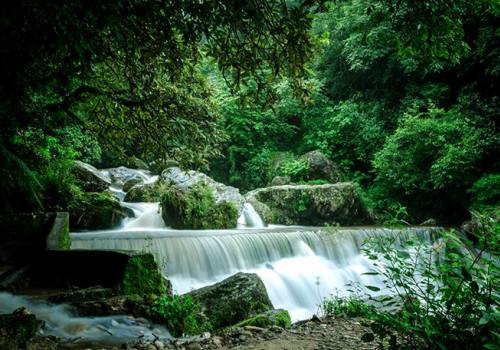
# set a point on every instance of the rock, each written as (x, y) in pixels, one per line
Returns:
(184, 180)
(58, 237)
(18, 328)
(279, 317)
(192, 200)
(89, 178)
(120, 175)
(315, 205)
(320, 167)
(148, 192)
(82, 295)
(128, 273)
(233, 300)
(281, 180)
(94, 211)
(131, 183)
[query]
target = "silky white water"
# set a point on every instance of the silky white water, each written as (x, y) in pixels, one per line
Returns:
(299, 266)
(61, 321)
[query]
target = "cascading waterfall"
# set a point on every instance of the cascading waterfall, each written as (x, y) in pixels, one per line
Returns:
(299, 266)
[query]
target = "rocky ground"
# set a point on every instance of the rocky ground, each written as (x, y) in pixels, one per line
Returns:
(332, 333)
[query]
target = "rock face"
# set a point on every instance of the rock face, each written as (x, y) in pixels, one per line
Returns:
(314, 205)
(89, 178)
(320, 167)
(131, 183)
(233, 300)
(94, 211)
(120, 175)
(192, 200)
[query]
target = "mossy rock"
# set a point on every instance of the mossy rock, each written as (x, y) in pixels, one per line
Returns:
(143, 277)
(131, 183)
(195, 207)
(150, 192)
(277, 317)
(314, 205)
(89, 178)
(233, 300)
(94, 211)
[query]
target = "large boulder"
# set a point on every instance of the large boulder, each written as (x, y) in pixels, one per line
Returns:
(320, 167)
(233, 300)
(315, 205)
(193, 200)
(89, 178)
(184, 180)
(94, 211)
(120, 175)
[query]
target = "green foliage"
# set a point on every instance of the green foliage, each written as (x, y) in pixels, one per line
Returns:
(143, 277)
(94, 210)
(180, 314)
(280, 318)
(196, 208)
(442, 296)
(486, 190)
(295, 169)
(352, 306)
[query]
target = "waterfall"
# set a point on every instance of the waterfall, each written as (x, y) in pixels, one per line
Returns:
(299, 266)
(61, 321)
(249, 218)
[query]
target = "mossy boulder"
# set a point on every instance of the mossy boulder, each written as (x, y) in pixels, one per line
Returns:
(144, 192)
(276, 317)
(94, 211)
(233, 300)
(196, 208)
(319, 167)
(89, 178)
(314, 205)
(18, 328)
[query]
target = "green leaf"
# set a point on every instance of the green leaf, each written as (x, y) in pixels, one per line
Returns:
(372, 288)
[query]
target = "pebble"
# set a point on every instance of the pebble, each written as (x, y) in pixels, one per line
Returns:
(159, 345)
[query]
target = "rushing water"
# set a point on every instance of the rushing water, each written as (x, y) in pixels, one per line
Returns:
(299, 266)
(61, 321)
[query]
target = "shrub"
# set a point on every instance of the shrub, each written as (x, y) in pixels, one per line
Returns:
(181, 315)
(486, 191)
(446, 297)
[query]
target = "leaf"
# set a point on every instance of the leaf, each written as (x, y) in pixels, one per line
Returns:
(372, 288)
(372, 273)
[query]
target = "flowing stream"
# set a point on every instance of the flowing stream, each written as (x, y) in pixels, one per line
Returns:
(299, 266)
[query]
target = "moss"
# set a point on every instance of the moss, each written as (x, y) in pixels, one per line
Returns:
(95, 210)
(143, 277)
(280, 318)
(195, 208)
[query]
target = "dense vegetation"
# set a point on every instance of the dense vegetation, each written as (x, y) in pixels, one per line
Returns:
(401, 95)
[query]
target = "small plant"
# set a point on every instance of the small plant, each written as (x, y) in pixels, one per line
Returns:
(396, 216)
(295, 169)
(180, 314)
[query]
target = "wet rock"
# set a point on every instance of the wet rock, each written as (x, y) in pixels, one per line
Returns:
(233, 300)
(94, 211)
(429, 222)
(18, 328)
(320, 167)
(89, 178)
(120, 175)
(148, 192)
(314, 205)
